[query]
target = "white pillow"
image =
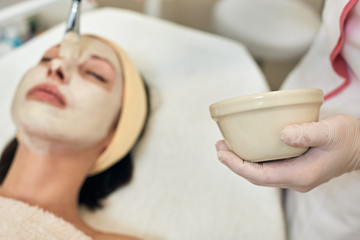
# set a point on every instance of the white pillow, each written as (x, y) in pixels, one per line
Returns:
(179, 190)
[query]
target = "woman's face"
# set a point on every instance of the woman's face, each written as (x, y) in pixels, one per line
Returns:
(73, 95)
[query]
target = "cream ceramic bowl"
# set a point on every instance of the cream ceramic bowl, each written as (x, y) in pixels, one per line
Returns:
(251, 125)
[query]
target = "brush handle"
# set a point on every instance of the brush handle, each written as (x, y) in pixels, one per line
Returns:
(74, 17)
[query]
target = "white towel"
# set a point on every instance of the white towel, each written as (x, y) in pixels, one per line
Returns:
(20, 221)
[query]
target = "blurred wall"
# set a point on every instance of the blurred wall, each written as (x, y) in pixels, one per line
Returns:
(197, 13)
(192, 13)
(317, 4)
(135, 5)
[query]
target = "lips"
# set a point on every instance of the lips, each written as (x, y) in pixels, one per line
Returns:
(47, 93)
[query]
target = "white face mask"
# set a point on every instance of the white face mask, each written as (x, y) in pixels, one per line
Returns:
(69, 100)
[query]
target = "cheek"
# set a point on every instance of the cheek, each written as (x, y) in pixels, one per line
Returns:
(92, 102)
(33, 77)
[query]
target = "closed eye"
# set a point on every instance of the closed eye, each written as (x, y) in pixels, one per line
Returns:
(46, 59)
(97, 76)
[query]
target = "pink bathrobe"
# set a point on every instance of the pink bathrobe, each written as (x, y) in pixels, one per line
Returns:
(330, 211)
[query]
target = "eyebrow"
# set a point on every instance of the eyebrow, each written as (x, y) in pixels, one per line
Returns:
(53, 47)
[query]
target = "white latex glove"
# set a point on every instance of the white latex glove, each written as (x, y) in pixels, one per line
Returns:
(335, 150)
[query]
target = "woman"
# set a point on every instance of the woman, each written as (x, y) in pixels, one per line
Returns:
(77, 112)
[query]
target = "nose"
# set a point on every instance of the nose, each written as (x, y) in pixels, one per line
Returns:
(70, 46)
(57, 71)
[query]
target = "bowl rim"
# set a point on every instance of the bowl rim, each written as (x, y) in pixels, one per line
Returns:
(266, 100)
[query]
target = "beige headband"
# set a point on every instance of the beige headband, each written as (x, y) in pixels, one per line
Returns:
(132, 116)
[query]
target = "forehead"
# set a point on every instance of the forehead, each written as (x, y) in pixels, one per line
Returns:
(89, 46)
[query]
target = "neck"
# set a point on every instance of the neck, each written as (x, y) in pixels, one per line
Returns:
(51, 182)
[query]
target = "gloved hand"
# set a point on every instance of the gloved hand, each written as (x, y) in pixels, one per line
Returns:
(335, 150)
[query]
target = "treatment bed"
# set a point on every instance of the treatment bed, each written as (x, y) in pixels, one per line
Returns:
(180, 191)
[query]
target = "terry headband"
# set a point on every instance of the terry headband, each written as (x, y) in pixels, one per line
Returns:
(132, 114)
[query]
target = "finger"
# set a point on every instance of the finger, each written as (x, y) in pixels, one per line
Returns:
(237, 165)
(315, 134)
(288, 173)
(221, 146)
(265, 174)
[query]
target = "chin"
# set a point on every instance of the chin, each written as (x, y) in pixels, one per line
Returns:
(44, 122)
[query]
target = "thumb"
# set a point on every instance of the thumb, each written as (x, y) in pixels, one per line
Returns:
(315, 134)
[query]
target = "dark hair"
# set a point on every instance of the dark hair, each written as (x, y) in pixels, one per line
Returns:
(95, 187)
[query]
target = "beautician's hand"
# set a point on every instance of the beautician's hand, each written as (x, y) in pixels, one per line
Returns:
(335, 149)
